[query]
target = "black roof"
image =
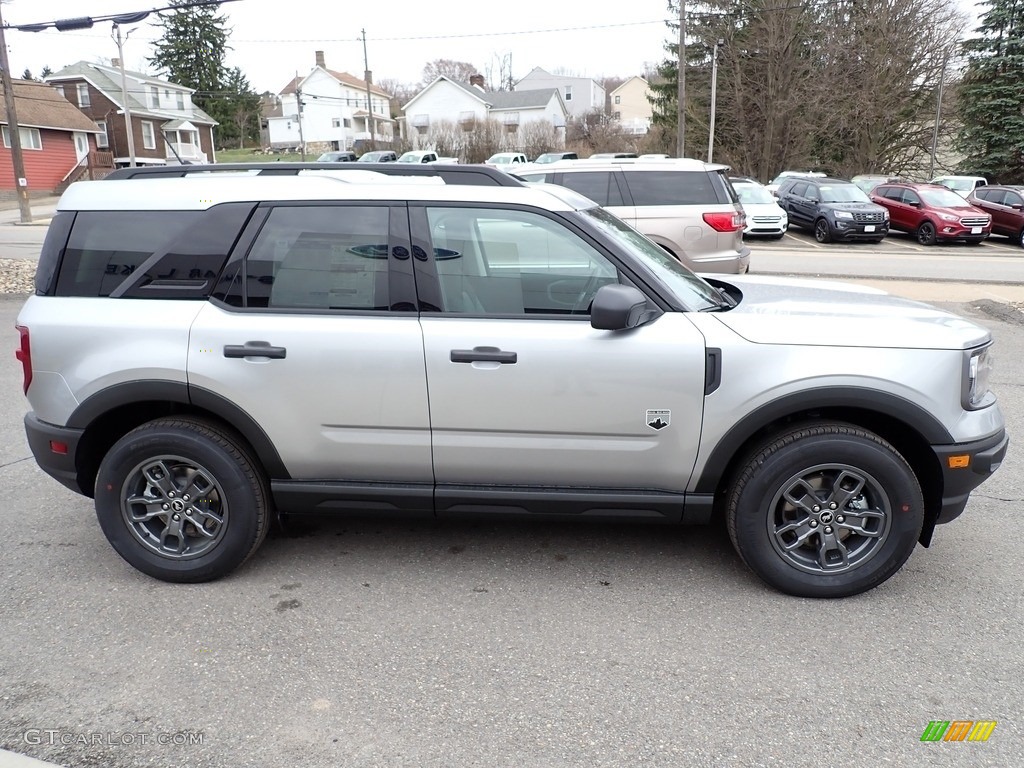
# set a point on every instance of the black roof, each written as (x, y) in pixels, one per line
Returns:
(451, 173)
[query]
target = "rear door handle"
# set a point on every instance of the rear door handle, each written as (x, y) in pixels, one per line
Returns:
(255, 349)
(483, 355)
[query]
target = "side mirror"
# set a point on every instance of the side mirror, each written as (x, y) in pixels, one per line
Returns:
(915, 203)
(617, 307)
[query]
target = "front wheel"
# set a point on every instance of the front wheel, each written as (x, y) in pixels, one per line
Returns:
(926, 233)
(182, 500)
(825, 510)
(822, 233)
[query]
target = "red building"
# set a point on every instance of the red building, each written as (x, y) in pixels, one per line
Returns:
(58, 142)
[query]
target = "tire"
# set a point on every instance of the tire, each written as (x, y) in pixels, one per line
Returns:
(926, 233)
(822, 233)
(167, 480)
(1020, 238)
(782, 525)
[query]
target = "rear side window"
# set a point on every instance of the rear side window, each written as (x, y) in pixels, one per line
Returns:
(53, 248)
(678, 188)
(599, 186)
(105, 247)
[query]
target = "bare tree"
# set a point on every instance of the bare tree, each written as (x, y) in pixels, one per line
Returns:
(460, 71)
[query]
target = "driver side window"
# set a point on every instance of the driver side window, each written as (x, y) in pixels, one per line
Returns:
(495, 262)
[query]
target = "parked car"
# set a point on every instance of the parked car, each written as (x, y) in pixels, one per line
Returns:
(425, 156)
(1005, 204)
(379, 156)
(204, 352)
(868, 181)
(833, 209)
(612, 155)
(686, 206)
(962, 185)
(554, 157)
(506, 159)
(774, 184)
(932, 213)
(764, 216)
(337, 157)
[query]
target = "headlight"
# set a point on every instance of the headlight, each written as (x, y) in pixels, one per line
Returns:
(846, 215)
(885, 214)
(948, 217)
(979, 374)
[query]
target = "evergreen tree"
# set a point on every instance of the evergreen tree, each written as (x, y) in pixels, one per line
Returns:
(243, 105)
(991, 135)
(27, 74)
(191, 53)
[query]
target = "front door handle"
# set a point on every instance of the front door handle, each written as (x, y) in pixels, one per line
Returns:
(483, 355)
(254, 349)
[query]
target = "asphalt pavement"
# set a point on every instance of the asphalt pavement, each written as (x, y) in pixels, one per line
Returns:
(371, 642)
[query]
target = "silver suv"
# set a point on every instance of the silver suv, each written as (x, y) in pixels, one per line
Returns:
(686, 206)
(203, 353)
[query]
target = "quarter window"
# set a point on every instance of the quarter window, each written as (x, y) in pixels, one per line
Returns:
(599, 186)
(495, 262)
(320, 258)
(672, 188)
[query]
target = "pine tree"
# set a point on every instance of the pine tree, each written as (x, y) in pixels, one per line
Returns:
(991, 135)
(243, 105)
(191, 53)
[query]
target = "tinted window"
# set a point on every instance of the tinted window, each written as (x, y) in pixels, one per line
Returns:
(797, 189)
(986, 194)
(675, 188)
(53, 247)
(513, 263)
(322, 257)
(106, 247)
(1012, 198)
(599, 186)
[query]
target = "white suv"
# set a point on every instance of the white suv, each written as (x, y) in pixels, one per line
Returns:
(686, 206)
(205, 352)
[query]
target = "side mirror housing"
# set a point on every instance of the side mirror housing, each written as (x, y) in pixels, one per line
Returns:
(617, 307)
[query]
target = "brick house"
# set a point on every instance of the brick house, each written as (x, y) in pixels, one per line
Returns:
(166, 125)
(58, 142)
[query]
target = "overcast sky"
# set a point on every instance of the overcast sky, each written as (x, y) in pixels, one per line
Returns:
(272, 39)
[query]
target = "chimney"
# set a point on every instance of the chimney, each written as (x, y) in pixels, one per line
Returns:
(477, 80)
(320, 59)
(115, 62)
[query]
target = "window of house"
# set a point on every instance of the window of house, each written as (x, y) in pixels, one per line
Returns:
(102, 140)
(148, 135)
(30, 138)
(616, 115)
(154, 96)
(335, 122)
(347, 123)
(568, 93)
(618, 99)
(320, 257)
(83, 95)
(179, 100)
(507, 262)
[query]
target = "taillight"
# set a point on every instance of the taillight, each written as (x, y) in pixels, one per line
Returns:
(730, 221)
(24, 353)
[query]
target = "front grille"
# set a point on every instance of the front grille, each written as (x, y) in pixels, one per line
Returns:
(766, 219)
(973, 222)
(868, 218)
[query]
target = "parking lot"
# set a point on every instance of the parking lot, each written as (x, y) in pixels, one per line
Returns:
(894, 243)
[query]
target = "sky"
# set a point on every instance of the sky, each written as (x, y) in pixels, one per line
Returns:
(272, 40)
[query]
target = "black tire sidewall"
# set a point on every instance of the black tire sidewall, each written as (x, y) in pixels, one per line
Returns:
(242, 520)
(752, 513)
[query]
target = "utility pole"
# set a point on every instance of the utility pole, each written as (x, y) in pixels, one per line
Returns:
(14, 131)
(938, 117)
(714, 88)
(298, 116)
(371, 124)
(681, 95)
(124, 96)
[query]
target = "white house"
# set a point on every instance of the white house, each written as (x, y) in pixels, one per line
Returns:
(447, 100)
(333, 113)
(580, 94)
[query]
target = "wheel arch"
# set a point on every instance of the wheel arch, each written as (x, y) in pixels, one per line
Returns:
(906, 426)
(111, 413)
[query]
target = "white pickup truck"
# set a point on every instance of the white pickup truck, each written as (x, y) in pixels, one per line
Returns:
(425, 156)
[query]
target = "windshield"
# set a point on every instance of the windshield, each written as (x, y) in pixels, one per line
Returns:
(500, 159)
(845, 193)
(750, 194)
(409, 158)
(942, 198)
(963, 185)
(691, 290)
(549, 158)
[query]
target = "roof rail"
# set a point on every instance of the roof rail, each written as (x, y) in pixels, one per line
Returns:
(478, 175)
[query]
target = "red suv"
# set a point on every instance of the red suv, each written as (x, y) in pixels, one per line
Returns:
(932, 212)
(1005, 204)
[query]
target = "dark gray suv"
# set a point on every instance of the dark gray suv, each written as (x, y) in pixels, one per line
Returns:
(833, 209)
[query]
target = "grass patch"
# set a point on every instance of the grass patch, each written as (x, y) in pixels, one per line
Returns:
(257, 156)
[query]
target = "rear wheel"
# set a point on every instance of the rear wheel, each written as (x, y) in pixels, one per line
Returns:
(822, 233)
(182, 500)
(825, 510)
(926, 233)
(1020, 238)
